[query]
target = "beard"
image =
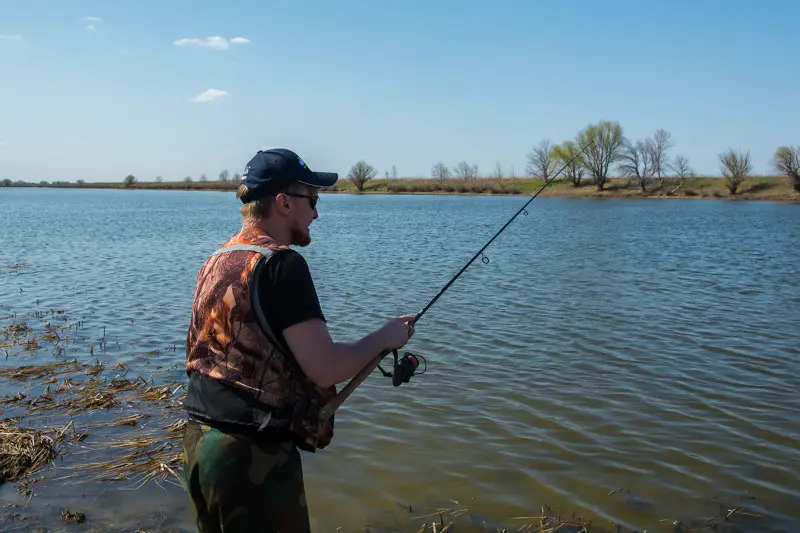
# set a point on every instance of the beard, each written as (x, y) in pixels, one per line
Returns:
(299, 237)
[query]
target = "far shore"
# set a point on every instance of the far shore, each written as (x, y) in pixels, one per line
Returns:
(757, 188)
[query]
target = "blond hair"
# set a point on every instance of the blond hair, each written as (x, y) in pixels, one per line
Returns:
(258, 209)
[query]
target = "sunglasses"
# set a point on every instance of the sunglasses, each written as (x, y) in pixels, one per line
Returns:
(312, 200)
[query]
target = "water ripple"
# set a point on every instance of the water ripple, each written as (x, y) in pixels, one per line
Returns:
(606, 344)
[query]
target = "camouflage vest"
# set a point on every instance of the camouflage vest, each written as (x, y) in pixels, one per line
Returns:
(229, 340)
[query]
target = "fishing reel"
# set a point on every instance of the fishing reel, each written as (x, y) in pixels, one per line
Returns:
(404, 368)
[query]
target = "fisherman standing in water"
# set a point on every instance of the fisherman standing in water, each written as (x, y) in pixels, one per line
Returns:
(260, 359)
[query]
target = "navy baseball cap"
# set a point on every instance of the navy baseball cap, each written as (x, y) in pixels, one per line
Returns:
(269, 171)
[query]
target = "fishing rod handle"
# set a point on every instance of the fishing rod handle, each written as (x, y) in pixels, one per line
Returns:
(327, 411)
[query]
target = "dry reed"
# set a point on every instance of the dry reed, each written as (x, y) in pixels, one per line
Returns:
(23, 451)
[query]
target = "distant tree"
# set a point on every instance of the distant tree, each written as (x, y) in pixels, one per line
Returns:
(604, 141)
(787, 162)
(360, 174)
(682, 170)
(465, 170)
(159, 179)
(541, 163)
(80, 182)
(129, 180)
(512, 173)
(497, 173)
(187, 179)
(223, 176)
(237, 177)
(735, 168)
(6, 182)
(394, 172)
(661, 144)
(203, 178)
(567, 153)
(681, 167)
(638, 161)
(440, 172)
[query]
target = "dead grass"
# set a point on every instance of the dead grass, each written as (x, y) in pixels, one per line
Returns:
(23, 451)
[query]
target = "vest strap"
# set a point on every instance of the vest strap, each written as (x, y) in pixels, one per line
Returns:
(266, 252)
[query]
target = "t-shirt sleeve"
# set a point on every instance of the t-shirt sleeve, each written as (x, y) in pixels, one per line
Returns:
(287, 291)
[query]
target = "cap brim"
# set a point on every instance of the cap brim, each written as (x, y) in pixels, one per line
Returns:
(321, 179)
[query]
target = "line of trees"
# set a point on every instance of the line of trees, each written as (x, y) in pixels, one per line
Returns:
(602, 148)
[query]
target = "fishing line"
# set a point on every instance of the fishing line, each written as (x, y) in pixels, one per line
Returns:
(480, 253)
(405, 367)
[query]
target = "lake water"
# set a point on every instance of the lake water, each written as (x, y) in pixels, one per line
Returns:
(646, 345)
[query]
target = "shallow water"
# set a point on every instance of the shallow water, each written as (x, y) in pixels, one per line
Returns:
(647, 345)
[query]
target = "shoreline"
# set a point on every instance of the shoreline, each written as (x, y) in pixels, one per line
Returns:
(761, 188)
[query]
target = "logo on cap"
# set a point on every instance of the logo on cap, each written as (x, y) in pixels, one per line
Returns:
(303, 163)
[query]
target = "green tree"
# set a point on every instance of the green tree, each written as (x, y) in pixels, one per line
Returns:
(603, 142)
(566, 153)
(129, 180)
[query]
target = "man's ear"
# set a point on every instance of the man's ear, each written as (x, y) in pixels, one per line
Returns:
(282, 203)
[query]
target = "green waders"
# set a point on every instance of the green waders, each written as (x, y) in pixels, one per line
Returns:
(240, 485)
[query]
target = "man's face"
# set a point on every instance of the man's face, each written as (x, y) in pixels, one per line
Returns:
(303, 214)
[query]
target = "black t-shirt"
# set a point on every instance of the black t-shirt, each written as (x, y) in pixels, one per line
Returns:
(287, 296)
(287, 293)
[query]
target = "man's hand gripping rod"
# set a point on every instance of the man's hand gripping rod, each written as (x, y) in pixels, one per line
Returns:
(327, 411)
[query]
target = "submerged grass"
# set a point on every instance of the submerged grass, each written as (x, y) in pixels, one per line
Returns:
(126, 432)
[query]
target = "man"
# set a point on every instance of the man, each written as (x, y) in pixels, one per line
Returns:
(260, 359)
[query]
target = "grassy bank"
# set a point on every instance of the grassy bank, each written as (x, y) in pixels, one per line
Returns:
(771, 188)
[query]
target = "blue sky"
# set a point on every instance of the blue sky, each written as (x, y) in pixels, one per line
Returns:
(394, 83)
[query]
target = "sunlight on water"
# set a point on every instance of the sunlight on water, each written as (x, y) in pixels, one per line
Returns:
(636, 362)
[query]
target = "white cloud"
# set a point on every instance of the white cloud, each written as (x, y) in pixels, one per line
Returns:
(94, 19)
(209, 95)
(216, 42)
(10, 37)
(90, 26)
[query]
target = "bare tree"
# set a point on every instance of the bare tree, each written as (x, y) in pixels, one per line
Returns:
(735, 167)
(159, 179)
(223, 176)
(497, 173)
(787, 162)
(604, 141)
(638, 161)
(465, 170)
(541, 163)
(512, 173)
(440, 172)
(203, 177)
(566, 153)
(361, 173)
(237, 177)
(394, 172)
(662, 142)
(682, 170)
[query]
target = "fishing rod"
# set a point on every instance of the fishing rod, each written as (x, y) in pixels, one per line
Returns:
(406, 366)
